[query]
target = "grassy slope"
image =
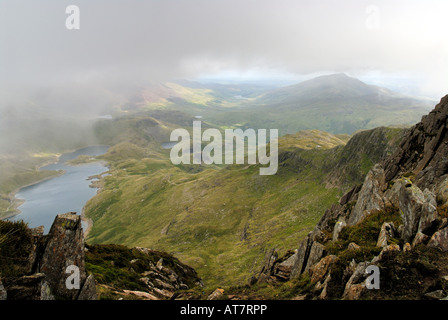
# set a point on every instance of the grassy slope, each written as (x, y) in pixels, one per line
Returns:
(221, 221)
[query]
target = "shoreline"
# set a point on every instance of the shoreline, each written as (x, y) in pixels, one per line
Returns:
(17, 202)
(84, 218)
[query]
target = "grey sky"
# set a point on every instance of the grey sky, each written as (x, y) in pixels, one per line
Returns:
(124, 43)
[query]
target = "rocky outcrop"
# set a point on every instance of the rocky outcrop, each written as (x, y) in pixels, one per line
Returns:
(370, 197)
(413, 182)
(64, 249)
(45, 274)
(142, 273)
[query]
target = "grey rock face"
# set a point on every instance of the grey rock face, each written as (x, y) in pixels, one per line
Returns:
(439, 240)
(418, 211)
(370, 197)
(33, 287)
(387, 232)
(65, 247)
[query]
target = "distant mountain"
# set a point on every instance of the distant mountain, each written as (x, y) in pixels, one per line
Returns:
(335, 103)
(335, 86)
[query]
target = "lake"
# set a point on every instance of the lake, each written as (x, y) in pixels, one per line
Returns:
(65, 193)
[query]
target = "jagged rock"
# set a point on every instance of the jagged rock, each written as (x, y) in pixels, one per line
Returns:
(419, 238)
(218, 293)
(340, 224)
(324, 294)
(302, 257)
(418, 210)
(141, 294)
(319, 270)
(389, 248)
(65, 247)
(283, 270)
(435, 295)
(442, 192)
(423, 149)
(316, 253)
(439, 240)
(267, 269)
(387, 232)
(370, 197)
(32, 287)
(3, 293)
(88, 290)
(349, 196)
(355, 286)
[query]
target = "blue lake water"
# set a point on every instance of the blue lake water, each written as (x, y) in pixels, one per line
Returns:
(66, 193)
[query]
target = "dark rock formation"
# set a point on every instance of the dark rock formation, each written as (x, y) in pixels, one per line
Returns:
(413, 181)
(64, 248)
(45, 274)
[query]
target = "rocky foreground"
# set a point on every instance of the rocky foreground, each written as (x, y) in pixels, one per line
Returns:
(396, 220)
(60, 266)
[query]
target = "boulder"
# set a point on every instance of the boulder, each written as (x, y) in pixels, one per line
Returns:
(419, 238)
(283, 270)
(355, 286)
(218, 293)
(418, 210)
(320, 270)
(340, 224)
(32, 287)
(302, 257)
(439, 240)
(88, 290)
(267, 269)
(370, 197)
(65, 247)
(316, 253)
(387, 232)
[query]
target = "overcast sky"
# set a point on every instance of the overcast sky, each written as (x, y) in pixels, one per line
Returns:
(126, 42)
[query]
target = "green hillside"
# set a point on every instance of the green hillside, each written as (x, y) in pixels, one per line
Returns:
(222, 220)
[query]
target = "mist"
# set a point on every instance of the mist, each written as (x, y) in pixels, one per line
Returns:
(51, 72)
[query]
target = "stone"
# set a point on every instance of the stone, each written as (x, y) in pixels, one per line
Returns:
(267, 269)
(418, 210)
(141, 294)
(32, 287)
(88, 290)
(355, 286)
(65, 247)
(324, 294)
(419, 238)
(316, 253)
(387, 232)
(439, 240)
(389, 248)
(435, 295)
(319, 270)
(283, 270)
(218, 293)
(370, 198)
(302, 257)
(340, 224)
